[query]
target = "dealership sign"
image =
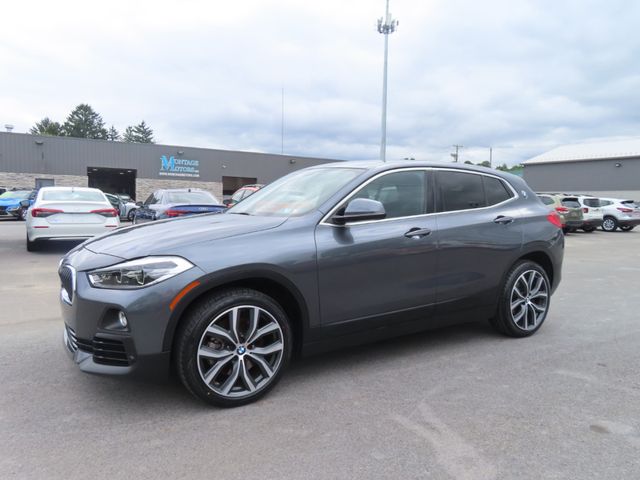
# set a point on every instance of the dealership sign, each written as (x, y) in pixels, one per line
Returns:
(179, 167)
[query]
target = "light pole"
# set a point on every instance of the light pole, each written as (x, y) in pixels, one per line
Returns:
(455, 155)
(386, 26)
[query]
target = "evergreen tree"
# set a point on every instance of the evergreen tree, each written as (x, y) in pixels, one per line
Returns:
(84, 122)
(46, 127)
(113, 134)
(143, 133)
(140, 133)
(128, 135)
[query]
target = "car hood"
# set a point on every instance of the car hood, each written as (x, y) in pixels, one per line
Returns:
(9, 202)
(167, 237)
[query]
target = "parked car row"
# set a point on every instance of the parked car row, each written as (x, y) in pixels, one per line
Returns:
(587, 212)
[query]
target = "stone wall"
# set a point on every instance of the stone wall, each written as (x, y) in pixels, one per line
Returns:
(144, 186)
(28, 180)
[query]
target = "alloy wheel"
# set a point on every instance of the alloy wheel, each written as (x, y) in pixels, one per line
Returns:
(240, 351)
(609, 224)
(529, 300)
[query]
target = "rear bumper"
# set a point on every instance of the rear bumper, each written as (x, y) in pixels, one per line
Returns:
(573, 223)
(629, 223)
(38, 232)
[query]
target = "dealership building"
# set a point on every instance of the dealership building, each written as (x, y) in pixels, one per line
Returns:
(33, 161)
(604, 169)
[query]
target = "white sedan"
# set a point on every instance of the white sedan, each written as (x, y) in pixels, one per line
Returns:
(68, 213)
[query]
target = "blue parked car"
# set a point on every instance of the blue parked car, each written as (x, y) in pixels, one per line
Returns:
(179, 202)
(10, 203)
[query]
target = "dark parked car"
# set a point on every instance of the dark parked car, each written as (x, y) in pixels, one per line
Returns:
(172, 203)
(331, 255)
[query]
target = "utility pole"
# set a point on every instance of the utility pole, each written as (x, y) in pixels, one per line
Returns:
(282, 126)
(386, 26)
(455, 155)
(490, 157)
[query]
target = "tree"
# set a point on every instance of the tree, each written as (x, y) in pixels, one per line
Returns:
(84, 122)
(485, 164)
(141, 133)
(467, 162)
(112, 134)
(46, 127)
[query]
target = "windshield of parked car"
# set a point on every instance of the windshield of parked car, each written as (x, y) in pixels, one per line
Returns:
(298, 193)
(190, 197)
(20, 194)
(73, 196)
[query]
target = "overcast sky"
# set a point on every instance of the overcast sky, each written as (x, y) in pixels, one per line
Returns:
(522, 76)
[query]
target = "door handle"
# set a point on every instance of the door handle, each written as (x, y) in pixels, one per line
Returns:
(417, 232)
(503, 220)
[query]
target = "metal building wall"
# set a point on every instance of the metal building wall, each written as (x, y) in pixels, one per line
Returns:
(585, 176)
(24, 153)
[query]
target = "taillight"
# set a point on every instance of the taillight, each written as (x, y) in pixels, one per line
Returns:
(625, 210)
(554, 218)
(44, 212)
(106, 212)
(562, 209)
(585, 210)
(175, 213)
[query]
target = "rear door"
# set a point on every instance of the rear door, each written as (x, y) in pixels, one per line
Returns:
(479, 236)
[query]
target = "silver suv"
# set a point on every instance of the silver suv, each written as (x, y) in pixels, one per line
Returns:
(623, 214)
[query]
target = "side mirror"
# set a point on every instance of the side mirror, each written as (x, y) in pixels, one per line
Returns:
(226, 201)
(25, 203)
(360, 209)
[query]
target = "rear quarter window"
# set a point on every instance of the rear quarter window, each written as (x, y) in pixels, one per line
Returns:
(546, 200)
(496, 191)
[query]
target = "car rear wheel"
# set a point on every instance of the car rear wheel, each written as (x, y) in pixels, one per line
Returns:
(524, 301)
(131, 215)
(626, 228)
(232, 348)
(609, 224)
(588, 229)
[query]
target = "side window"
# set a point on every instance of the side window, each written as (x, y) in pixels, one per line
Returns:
(547, 200)
(605, 203)
(402, 194)
(495, 190)
(459, 191)
(149, 200)
(239, 195)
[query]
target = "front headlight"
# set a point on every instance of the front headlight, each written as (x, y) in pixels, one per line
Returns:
(138, 273)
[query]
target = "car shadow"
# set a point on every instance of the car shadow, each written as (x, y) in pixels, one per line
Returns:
(169, 395)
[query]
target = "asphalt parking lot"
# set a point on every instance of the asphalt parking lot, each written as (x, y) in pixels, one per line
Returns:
(458, 403)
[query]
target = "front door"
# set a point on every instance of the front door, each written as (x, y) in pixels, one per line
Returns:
(377, 271)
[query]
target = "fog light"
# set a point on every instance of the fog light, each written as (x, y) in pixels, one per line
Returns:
(122, 318)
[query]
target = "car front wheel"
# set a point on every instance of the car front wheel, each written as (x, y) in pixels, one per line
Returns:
(232, 347)
(609, 224)
(524, 300)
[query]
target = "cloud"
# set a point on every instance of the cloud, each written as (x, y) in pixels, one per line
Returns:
(521, 76)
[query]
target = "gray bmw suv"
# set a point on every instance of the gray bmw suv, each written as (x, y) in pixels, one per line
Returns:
(327, 256)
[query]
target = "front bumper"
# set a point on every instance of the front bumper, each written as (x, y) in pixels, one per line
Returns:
(95, 343)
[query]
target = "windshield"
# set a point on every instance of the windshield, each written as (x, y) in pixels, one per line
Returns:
(298, 193)
(73, 195)
(21, 194)
(190, 197)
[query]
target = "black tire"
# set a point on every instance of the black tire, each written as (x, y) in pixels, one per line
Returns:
(504, 321)
(565, 230)
(609, 224)
(131, 215)
(191, 333)
(588, 229)
(32, 246)
(627, 228)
